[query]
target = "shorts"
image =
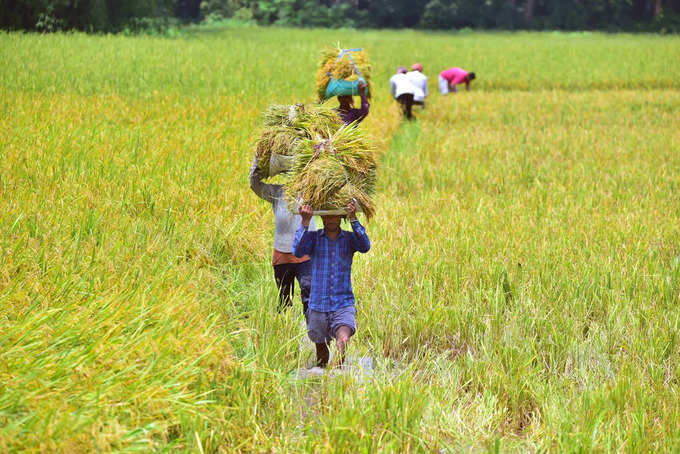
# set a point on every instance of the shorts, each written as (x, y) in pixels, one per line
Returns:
(321, 326)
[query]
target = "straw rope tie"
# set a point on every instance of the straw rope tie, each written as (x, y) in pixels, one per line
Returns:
(348, 52)
(293, 112)
(322, 145)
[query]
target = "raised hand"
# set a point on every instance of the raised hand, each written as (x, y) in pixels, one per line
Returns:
(306, 213)
(352, 210)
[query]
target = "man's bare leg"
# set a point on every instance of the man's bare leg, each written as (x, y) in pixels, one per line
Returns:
(342, 335)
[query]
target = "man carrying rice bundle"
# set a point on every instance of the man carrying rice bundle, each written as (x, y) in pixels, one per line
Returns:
(345, 73)
(284, 129)
(287, 267)
(332, 177)
(331, 313)
(332, 167)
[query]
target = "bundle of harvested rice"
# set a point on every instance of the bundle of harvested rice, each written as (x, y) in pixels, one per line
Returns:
(276, 141)
(284, 127)
(328, 173)
(332, 67)
(302, 116)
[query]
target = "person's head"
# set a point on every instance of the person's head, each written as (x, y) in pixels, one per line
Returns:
(346, 101)
(471, 76)
(417, 67)
(331, 223)
(401, 70)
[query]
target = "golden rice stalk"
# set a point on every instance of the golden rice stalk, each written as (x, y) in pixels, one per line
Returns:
(322, 169)
(285, 126)
(342, 69)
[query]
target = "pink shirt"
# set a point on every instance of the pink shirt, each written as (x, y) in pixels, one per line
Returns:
(455, 76)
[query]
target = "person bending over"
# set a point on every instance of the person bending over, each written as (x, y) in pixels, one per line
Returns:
(403, 90)
(418, 79)
(331, 313)
(449, 78)
(346, 109)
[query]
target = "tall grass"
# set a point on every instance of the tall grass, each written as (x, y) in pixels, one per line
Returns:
(521, 293)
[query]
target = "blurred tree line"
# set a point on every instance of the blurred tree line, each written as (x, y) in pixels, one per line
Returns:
(139, 15)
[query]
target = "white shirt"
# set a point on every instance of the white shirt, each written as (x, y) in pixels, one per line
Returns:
(419, 80)
(400, 84)
(285, 222)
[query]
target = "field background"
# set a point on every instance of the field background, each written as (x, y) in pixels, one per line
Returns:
(521, 293)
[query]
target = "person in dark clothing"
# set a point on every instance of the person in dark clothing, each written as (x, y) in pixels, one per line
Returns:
(346, 109)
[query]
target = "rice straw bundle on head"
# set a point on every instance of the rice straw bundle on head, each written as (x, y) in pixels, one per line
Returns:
(284, 128)
(328, 173)
(343, 68)
(280, 114)
(279, 140)
(317, 120)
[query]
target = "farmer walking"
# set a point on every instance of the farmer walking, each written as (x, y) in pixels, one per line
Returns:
(346, 109)
(403, 90)
(418, 79)
(287, 267)
(449, 78)
(331, 313)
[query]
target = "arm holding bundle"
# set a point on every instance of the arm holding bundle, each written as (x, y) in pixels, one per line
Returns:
(303, 243)
(359, 240)
(263, 190)
(364, 100)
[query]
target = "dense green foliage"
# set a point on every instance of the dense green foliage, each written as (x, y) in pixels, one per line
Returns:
(88, 15)
(521, 293)
(157, 15)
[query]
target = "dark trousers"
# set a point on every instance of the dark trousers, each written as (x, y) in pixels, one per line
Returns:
(406, 101)
(285, 276)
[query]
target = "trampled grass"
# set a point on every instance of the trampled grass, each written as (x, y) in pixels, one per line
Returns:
(521, 293)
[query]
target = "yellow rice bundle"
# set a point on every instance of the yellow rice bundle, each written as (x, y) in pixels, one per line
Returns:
(278, 140)
(328, 173)
(330, 66)
(284, 128)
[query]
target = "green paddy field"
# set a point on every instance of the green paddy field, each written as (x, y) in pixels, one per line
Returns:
(521, 294)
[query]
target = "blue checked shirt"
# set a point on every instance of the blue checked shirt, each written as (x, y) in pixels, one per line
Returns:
(331, 262)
